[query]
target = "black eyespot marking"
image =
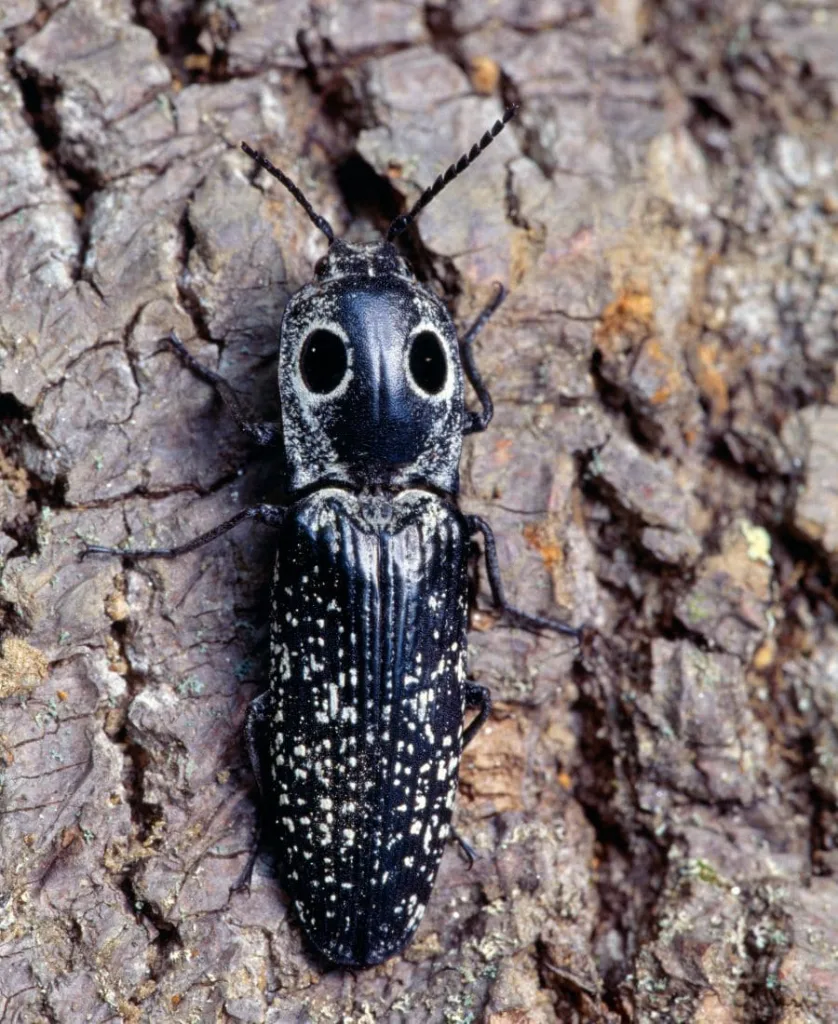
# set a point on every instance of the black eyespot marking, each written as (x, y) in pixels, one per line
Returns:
(427, 362)
(323, 361)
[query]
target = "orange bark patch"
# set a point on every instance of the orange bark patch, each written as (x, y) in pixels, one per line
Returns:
(657, 373)
(626, 321)
(711, 379)
(542, 537)
(197, 62)
(503, 451)
(15, 476)
(485, 74)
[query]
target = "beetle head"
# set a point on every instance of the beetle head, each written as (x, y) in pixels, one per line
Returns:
(370, 378)
(370, 374)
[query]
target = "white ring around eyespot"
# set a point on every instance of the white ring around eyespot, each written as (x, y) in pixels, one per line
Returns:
(448, 389)
(305, 394)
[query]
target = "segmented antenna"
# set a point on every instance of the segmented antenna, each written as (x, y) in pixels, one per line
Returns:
(406, 219)
(315, 218)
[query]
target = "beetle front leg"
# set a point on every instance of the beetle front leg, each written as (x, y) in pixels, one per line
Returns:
(270, 514)
(535, 623)
(474, 422)
(261, 433)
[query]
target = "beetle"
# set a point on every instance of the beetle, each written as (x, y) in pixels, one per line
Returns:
(357, 741)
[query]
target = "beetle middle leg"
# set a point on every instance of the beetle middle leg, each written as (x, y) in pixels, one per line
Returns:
(517, 617)
(261, 433)
(272, 515)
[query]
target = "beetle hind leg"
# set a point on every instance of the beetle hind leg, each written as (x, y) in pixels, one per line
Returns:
(477, 696)
(257, 737)
(257, 740)
(466, 849)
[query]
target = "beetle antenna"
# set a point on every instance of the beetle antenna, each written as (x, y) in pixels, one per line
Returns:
(314, 217)
(406, 219)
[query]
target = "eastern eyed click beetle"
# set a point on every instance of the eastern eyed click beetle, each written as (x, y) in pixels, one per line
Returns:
(357, 741)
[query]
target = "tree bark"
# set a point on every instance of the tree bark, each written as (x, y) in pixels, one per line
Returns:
(655, 811)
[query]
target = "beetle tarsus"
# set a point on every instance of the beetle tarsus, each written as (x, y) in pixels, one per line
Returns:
(245, 879)
(466, 849)
(477, 696)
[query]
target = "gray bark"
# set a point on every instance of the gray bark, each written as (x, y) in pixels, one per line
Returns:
(656, 812)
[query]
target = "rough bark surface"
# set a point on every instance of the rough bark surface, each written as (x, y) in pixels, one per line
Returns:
(657, 813)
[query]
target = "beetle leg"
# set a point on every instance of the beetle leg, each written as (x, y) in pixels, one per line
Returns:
(261, 433)
(477, 696)
(270, 514)
(242, 883)
(467, 850)
(257, 736)
(257, 739)
(474, 422)
(534, 623)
